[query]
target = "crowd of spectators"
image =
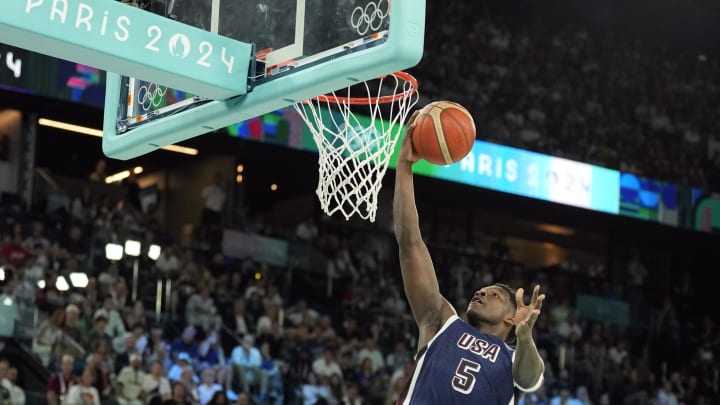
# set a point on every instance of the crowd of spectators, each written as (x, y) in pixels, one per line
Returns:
(239, 331)
(587, 94)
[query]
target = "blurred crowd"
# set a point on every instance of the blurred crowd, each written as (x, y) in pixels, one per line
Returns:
(594, 96)
(244, 332)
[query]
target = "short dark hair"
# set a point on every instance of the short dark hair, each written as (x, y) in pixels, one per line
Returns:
(510, 292)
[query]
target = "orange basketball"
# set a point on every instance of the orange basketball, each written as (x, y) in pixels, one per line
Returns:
(444, 133)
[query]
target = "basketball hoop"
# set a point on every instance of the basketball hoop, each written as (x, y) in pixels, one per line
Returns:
(354, 150)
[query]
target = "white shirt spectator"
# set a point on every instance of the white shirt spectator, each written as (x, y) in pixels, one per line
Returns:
(375, 356)
(323, 368)
(617, 354)
(312, 393)
(167, 263)
(17, 394)
(162, 385)
(206, 392)
(115, 326)
(79, 395)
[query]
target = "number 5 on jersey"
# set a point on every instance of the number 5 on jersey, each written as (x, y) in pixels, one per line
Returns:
(464, 379)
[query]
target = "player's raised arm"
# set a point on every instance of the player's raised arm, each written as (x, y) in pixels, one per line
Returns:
(528, 366)
(429, 308)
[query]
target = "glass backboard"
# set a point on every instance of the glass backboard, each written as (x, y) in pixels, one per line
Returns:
(301, 49)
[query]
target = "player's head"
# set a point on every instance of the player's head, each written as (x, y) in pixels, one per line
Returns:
(492, 310)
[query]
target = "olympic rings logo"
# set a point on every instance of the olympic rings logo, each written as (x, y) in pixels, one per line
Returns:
(151, 95)
(369, 18)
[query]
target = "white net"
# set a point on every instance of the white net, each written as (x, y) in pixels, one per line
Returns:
(355, 149)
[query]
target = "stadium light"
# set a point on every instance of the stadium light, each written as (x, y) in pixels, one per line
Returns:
(61, 284)
(154, 251)
(132, 248)
(113, 251)
(79, 280)
(45, 122)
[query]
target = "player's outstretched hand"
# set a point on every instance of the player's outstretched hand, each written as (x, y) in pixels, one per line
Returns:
(406, 149)
(526, 315)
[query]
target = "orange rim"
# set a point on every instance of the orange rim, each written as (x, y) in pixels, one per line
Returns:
(404, 76)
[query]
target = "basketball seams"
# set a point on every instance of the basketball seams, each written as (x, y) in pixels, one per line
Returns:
(450, 116)
(435, 114)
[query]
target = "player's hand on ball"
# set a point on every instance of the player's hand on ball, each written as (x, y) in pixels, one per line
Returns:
(406, 149)
(526, 315)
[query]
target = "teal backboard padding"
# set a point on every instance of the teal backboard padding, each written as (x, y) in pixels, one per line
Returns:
(93, 40)
(115, 37)
(403, 49)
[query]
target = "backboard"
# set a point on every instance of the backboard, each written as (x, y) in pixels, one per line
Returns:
(300, 49)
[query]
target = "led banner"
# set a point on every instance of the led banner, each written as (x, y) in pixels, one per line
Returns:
(531, 174)
(492, 166)
(33, 73)
(669, 204)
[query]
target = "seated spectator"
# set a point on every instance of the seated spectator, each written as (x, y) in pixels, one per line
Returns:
(208, 387)
(245, 362)
(17, 394)
(176, 370)
(300, 310)
(365, 376)
(140, 340)
(352, 395)
(313, 392)
(201, 311)
(238, 320)
(399, 357)
(326, 366)
(168, 262)
(185, 343)
(5, 393)
(372, 352)
(71, 327)
(115, 327)
(157, 348)
(130, 381)
(179, 395)
(108, 278)
(102, 380)
(122, 359)
(271, 385)
(37, 243)
(565, 398)
(98, 339)
(60, 383)
(190, 380)
(136, 315)
(219, 398)
(46, 340)
(210, 354)
(13, 251)
(155, 386)
(83, 393)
